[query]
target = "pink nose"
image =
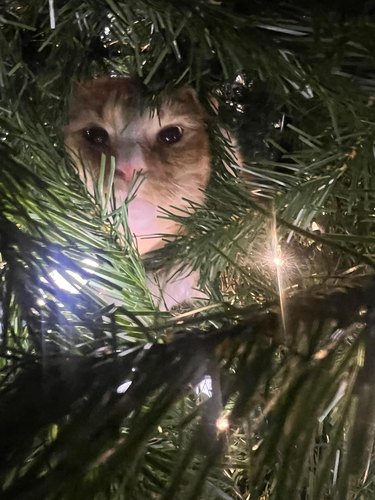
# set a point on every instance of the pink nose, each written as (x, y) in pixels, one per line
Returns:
(127, 170)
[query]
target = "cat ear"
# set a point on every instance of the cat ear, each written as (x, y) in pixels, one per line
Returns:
(187, 94)
(190, 94)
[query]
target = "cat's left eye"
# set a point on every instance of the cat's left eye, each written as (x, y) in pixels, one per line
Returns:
(96, 135)
(170, 135)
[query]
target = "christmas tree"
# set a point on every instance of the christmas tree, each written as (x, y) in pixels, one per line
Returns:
(264, 389)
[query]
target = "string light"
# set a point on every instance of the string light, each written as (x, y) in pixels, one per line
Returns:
(278, 261)
(222, 424)
(73, 288)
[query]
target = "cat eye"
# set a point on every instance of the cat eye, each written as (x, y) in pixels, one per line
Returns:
(96, 135)
(170, 135)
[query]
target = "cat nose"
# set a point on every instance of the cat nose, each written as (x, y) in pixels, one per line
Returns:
(126, 170)
(128, 162)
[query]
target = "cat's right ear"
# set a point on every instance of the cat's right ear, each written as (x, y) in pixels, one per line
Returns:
(188, 94)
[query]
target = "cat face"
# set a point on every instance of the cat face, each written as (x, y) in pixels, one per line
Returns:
(170, 149)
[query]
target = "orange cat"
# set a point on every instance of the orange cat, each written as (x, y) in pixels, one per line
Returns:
(169, 148)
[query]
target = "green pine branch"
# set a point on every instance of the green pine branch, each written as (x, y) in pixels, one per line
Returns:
(289, 349)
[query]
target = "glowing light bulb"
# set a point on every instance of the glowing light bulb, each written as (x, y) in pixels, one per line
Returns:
(278, 261)
(74, 288)
(222, 424)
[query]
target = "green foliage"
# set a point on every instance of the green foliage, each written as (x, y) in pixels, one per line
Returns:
(97, 386)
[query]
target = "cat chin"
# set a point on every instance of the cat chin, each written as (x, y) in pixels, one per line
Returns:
(149, 225)
(142, 218)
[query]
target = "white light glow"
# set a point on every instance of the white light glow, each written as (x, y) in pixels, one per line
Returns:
(278, 261)
(89, 264)
(64, 284)
(222, 424)
(122, 388)
(204, 386)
